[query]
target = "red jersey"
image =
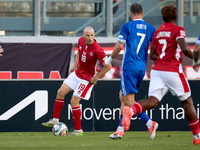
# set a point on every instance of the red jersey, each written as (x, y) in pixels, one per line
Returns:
(169, 52)
(89, 57)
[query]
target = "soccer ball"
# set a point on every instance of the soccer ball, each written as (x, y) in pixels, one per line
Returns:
(60, 129)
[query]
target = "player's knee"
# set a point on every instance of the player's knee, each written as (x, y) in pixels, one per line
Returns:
(153, 102)
(74, 103)
(120, 96)
(188, 101)
(60, 93)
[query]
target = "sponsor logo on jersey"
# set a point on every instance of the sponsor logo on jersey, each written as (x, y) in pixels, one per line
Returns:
(182, 33)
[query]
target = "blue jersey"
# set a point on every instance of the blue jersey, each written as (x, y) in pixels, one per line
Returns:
(198, 41)
(136, 35)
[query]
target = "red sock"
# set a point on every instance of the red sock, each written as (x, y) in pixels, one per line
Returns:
(58, 105)
(137, 108)
(76, 113)
(194, 126)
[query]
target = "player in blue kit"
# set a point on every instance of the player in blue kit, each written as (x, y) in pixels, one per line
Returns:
(196, 52)
(135, 37)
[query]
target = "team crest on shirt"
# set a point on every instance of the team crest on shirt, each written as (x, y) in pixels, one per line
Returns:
(80, 47)
(91, 54)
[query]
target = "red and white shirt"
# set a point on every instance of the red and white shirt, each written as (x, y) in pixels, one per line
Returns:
(89, 57)
(169, 52)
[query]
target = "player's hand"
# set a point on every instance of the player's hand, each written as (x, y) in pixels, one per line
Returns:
(72, 70)
(93, 80)
(106, 66)
(1, 50)
(196, 67)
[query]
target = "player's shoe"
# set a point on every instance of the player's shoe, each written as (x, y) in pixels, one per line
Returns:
(77, 133)
(50, 123)
(152, 130)
(196, 141)
(126, 120)
(117, 135)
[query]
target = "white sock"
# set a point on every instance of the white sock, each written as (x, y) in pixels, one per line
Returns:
(197, 136)
(56, 119)
(149, 123)
(78, 130)
(120, 128)
(132, 111)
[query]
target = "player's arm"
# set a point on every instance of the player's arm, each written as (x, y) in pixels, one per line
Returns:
(153, 53)
(103, 71)
(184, 47)
(1, 50)
(75, 63)
(196, 62)
(118, 47)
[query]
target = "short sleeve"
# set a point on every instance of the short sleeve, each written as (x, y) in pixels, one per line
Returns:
(180, 33)
(198, 41)
(101, 55)
(123, 35)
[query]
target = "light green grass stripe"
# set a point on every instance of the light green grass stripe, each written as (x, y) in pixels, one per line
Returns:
(96, 141)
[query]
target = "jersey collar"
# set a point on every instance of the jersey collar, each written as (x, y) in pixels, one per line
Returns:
(138, 19)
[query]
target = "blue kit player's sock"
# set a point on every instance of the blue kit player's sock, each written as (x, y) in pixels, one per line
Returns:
(143, 116)
(120, 120)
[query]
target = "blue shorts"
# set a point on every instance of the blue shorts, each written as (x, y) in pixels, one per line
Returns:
(131, 81)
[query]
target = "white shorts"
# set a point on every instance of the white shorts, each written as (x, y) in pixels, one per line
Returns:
(162, 81)
(81, 88)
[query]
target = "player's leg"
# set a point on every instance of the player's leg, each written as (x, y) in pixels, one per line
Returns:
(76, 113)
(59, 102)
(151, 125)
(181, 88)
(193, 121)
(58, 105)
(136, 77)
(137, 108)
(119, 133)
(82, 91)
(69, 84)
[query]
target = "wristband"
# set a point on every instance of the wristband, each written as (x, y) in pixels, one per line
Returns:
(108, 60)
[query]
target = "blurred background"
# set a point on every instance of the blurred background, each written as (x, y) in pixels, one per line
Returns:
(39, 38)
(69, 17)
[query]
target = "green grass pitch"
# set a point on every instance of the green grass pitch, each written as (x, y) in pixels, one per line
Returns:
(96, 141)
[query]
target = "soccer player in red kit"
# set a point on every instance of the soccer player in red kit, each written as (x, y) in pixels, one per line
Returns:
(167, 75)
(83, 76)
